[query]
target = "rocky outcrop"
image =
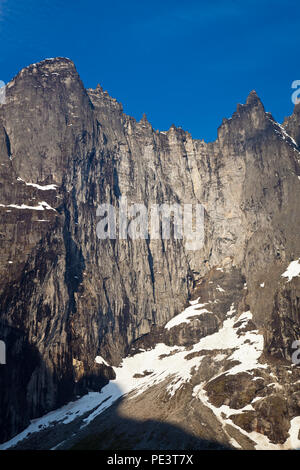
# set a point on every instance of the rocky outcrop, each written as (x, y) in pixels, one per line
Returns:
(177, 388)
(291, 124)
(63, 151)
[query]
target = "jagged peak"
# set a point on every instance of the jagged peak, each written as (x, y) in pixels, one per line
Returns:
(295, 113)
(51, 62)
(253, 99)
(253, 106)
(144, 118)
(144, 122)
(99, 88)
(56, 64)
(297, 109)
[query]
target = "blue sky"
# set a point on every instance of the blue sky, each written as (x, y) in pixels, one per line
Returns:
(182, 62)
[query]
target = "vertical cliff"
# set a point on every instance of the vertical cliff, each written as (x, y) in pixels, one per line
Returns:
(65, 295)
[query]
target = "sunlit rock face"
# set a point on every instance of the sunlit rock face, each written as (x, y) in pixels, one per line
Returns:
(67, 297)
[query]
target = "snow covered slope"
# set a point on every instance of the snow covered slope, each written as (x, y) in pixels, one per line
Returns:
(224, 375)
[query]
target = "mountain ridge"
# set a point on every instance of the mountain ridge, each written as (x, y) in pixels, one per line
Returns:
(67, 297)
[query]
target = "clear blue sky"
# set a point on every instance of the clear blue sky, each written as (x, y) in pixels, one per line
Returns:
(182, 62)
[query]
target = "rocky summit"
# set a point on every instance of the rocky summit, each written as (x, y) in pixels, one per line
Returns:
(145, 343)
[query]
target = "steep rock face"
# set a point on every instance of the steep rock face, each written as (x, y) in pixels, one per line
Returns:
(199, 382)
(73, 296)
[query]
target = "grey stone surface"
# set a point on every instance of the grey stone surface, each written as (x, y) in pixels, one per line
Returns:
(72, 296)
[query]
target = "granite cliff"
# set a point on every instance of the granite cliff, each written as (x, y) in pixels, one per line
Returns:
(67, 297)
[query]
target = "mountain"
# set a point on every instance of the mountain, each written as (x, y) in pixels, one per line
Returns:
(153, 342)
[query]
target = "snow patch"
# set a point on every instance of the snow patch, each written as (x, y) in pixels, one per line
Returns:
(47, 187)
(294, 440)
(100, 360)
(293, 270)
(167, 363)
(187, 314)
(220, 289)
(280, 130)
(41, 206)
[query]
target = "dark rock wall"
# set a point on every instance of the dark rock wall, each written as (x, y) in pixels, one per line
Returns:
(73, 296)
